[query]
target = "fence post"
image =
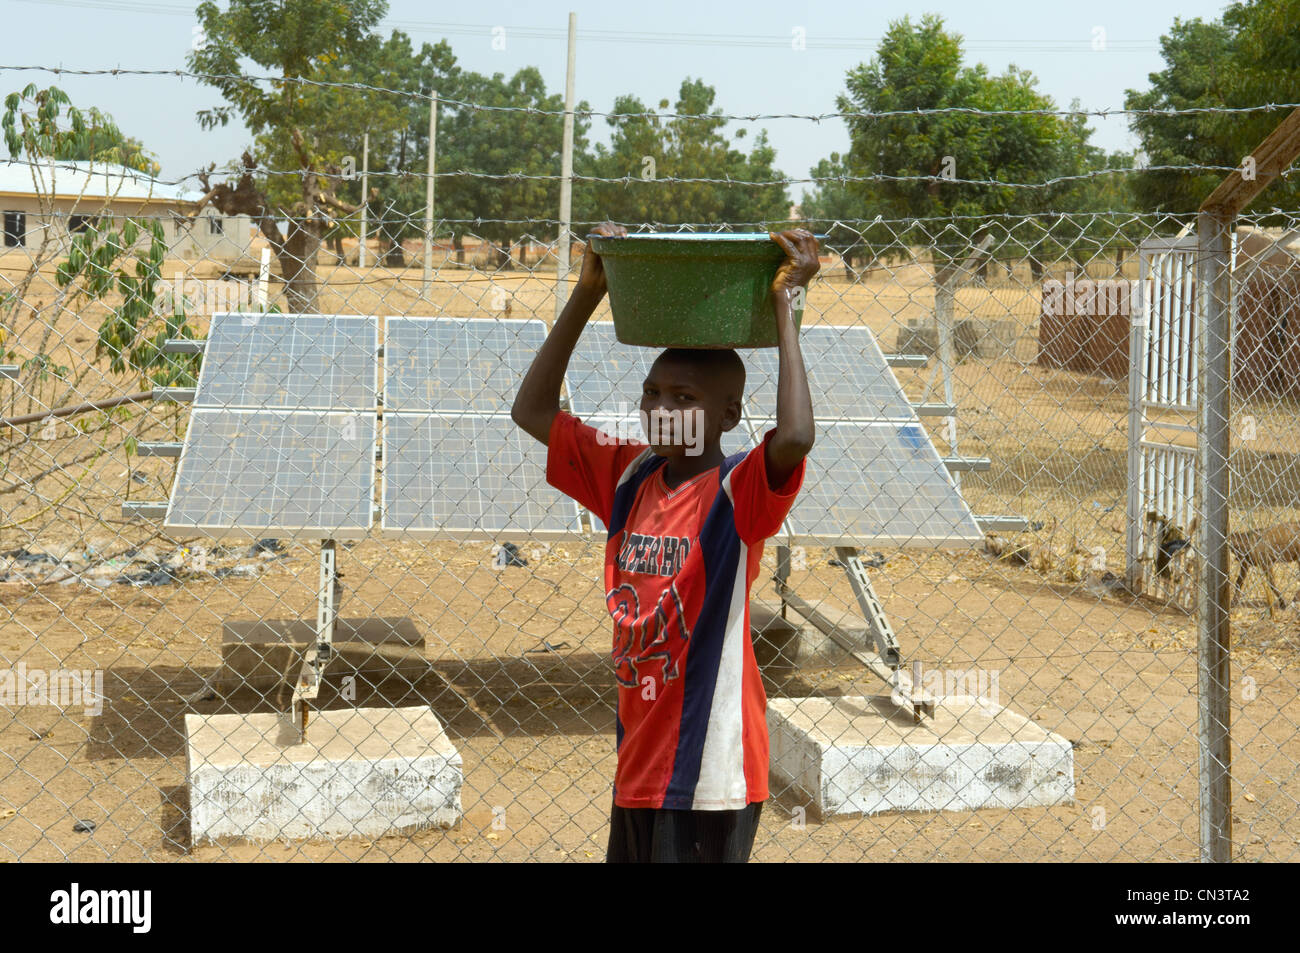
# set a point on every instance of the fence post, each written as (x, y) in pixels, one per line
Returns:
(1213, 674)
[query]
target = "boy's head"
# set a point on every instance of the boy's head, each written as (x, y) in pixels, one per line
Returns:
(690, 397)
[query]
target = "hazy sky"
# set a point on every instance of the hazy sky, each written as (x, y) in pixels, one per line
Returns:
(744, 50)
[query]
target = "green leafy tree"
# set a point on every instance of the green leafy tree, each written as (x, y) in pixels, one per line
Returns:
(653, 153)
(1248, 58)
(940, 180)
(504, 142)
(397, 123)
(127, 263)
(296, 40)
(44, 123)
(400, 201)
(122, 265)
(833, 206)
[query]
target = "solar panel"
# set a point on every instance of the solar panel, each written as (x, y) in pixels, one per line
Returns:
(291, 361)
(457, 365)
(306, 473)
(847, 376)
(470, 476)
(604, 373)
(877, 483)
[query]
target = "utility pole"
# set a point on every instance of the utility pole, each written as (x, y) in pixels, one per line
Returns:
(428, 197)
(566, 176)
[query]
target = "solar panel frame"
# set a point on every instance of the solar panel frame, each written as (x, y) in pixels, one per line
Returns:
(461, 518)
(220, 459)
(274, 357)
(867, 463)
(848, 376)
(418, 366)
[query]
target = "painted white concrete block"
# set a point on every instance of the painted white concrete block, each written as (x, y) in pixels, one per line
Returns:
(864, 755)
(362, 772)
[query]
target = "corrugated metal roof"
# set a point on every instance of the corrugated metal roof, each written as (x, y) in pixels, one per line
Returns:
(91, 180)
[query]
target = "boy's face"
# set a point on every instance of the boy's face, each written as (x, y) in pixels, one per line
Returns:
(687, 407)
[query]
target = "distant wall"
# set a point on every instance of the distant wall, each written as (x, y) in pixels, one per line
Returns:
(1090, 335)
(1266, 347)
(1083, 326)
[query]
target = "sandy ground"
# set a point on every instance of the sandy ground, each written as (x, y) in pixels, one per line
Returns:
(1112, 673)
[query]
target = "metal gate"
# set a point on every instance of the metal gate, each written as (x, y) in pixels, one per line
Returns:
(1162, 422)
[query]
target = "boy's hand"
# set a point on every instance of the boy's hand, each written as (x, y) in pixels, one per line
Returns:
(801, 261)
(591, 278)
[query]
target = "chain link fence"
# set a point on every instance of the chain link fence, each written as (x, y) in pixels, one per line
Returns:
(1062, 428)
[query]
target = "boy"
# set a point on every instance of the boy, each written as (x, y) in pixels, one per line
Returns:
(686, 530)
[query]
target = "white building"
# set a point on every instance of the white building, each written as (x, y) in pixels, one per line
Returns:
(55, 201)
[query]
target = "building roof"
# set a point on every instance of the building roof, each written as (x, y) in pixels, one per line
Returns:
(1268, 247)
(87, 181)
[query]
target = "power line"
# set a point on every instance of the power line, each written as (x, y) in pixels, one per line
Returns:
(648, 37)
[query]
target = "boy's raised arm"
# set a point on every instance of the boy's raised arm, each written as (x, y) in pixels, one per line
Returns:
(795, 429)
(538, 400)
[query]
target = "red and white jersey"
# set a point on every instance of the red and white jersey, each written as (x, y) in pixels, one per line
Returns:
(679, 564)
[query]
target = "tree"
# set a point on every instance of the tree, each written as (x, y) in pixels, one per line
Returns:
(653, 153)
(835, 207)
(119, 265)
(103, 262)
(398, 126)
(298, 40)
(483, 144)
(1249, 58)
(940, 178)
(89, 135)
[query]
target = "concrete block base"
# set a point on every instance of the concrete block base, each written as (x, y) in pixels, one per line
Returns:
(864, 755)
(362, 772)
(263, 654)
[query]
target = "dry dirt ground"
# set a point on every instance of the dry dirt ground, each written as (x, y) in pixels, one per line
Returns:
(1113, 673)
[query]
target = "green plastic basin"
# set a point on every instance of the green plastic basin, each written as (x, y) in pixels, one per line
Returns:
(668, 290)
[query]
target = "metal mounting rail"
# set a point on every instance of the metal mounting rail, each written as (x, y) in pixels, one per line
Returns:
(907, 360)
(1006, 524)
(150, 509)
(935, 410)
(184, 346)
(967, 464)
(887, 659)
(329, 595)
(154, 449)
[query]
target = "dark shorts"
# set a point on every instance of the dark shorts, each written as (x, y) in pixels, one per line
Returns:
(649, 835)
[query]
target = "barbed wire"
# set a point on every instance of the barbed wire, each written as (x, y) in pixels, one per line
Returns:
(627, 180)
(1103, 112)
